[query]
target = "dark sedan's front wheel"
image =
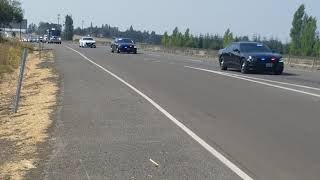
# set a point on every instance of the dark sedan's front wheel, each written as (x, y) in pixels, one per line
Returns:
(223, 65)
(244, 67)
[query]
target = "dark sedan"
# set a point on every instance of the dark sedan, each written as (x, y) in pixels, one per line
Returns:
(123, 45)
(250, 56)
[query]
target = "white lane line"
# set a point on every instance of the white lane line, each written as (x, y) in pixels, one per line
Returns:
(85, 170)
(153, 162)
(254, 81)
(204, 144)
(272, 81)
(193, 60)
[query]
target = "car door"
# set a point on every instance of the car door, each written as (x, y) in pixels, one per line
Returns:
(230, 55)
(227, 57)
(236, 57)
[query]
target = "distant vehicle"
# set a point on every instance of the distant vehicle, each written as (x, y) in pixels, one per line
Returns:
(250, 56)
(87, 42)
(53, 36)
(123, 45)
(45, 38)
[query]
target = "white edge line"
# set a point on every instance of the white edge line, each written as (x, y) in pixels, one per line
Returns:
(205, 145)
(251, 80)
(279, 82)
(155, 163)
(85, 170)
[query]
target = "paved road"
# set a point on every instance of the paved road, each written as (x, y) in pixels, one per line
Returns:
(266, 126)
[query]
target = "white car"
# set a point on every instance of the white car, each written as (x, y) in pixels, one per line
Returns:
(87, 42)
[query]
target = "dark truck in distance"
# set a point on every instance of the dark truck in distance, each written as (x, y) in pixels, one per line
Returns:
(250, 56)
(53, 36)
(123, 45)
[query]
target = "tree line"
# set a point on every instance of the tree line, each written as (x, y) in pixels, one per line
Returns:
(304, 38)
(112, 32)
(10, 11)
(215, 42)
(41, 29)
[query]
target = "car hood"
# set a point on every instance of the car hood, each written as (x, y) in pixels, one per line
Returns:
(263, 55)
(89, 41)
(126, 44)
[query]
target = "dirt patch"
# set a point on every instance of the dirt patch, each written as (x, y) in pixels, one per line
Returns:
(22, 134)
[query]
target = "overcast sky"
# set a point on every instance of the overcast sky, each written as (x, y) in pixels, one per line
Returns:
(244, 17)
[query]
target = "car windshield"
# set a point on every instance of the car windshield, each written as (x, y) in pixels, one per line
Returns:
(124, 41)
(88, 39)
(254, 47)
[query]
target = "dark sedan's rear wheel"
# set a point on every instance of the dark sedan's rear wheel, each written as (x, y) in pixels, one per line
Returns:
(223, 65)
(278, 71)
(244, 67)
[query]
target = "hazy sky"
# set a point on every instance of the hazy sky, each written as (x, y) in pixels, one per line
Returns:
(243, 17)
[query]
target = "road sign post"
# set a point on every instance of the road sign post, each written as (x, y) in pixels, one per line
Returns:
(22, 67)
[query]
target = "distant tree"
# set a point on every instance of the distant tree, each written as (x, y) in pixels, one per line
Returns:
(32, 28)
(296, 30)
(10, 11)
(68, 31)
(308, 36)
(227, 38)
(44, 26)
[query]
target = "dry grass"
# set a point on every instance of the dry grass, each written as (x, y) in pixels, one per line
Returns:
(22, 133)
(10, 55)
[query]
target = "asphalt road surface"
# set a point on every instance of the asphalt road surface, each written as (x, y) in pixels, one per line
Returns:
(157, 116)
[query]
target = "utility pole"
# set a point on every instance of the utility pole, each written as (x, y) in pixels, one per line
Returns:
(58, 20)
(82, 26)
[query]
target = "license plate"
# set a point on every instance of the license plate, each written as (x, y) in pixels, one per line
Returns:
(269, 65)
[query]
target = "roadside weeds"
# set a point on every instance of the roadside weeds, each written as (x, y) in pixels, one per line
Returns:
(21, 134)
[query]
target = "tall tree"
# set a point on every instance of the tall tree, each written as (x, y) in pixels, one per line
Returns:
(165, 39)
(186, 37)
(32, 28)
(10, 11)
(308, 36)
(68, 31)
(296, 30)
(227, 38)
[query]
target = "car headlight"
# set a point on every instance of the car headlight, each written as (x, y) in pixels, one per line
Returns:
(59, 39)
(250, 59)
(281, 60)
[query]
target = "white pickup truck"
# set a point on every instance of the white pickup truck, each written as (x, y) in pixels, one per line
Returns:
(87, 42)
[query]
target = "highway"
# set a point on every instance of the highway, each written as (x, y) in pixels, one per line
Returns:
(158, 116)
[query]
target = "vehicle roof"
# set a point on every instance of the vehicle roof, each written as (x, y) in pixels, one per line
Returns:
(247, 42)
(123, 38)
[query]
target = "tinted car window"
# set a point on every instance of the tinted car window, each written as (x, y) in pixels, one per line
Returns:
(88, 39)
(254, 47)
(124, 41)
